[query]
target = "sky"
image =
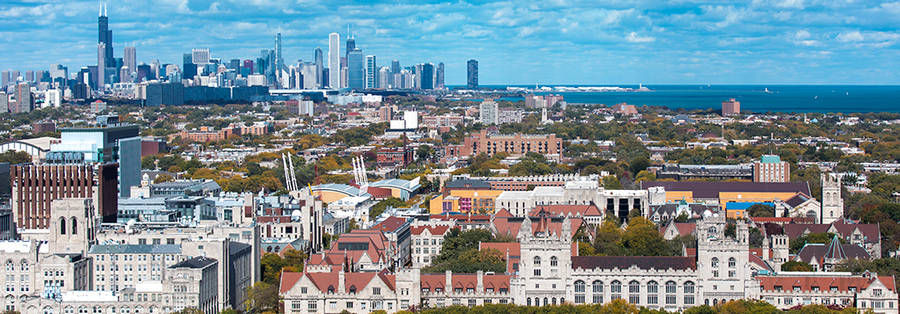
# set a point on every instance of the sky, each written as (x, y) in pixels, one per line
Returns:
(593, 42)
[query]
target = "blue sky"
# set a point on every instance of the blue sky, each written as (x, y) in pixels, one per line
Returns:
(516, 42)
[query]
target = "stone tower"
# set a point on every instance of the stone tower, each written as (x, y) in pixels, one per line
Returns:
(73, 226)
(832, 203)
(780, 250)
(546, 260)
(722, 261)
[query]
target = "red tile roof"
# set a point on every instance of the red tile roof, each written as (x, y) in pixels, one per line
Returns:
(642, 262)
(390, 224)
(843, 284)
(288, 280)
(464, 281)
(503, 213)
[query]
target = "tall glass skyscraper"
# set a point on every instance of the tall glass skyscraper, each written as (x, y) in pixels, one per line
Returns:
(320, 68)
(371, 72)
(334, 60)
(355, 71)
(472, 77)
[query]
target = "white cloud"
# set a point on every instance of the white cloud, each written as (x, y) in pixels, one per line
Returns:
(633, 37)
(853, 36)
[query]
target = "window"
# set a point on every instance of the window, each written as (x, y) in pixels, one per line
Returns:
(688, 293)
(579, 292)
(537, 271)
(311, 306)
(616, 289)
(670, 292)
(376, 291)
(732, 262)
(597, 288)
(715, 262)
(349, 305)
(537, 261)
(471, 302)
(731, 273)
(634, 289)
(553, 261)
(652, 292)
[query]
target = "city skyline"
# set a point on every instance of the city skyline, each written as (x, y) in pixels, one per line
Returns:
(762, 42)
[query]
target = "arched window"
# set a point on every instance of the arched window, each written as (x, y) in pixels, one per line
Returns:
(546, 301)
(69, 310)
(634, 292)
(74, 225)
(9, 266)
(732, 262)
(597, 288)
(330, 289)
(579, 286)
(688, 293)
(671, 287)
(82, 310)
(579, 292)
(353, 289)
(553, 261)
(47, 310)
(711, 231)
(553, 301)
(62, 225)
(652, 292)
(528, 302)
(616, 289)
(715, 262)
(537, 261)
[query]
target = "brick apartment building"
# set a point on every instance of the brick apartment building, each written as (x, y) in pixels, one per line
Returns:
(514, 144)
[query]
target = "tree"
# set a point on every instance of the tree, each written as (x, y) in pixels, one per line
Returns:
(606, 241)
(799, 242)
(642, 238)
(760, 210)
(160, 178)
(756, 238)
(796, 266)
(610, 182)
(271, 265)
(379, 208)
(189, 310)
(262, 297)
(459, 253)
(15, 157)
(645, 175)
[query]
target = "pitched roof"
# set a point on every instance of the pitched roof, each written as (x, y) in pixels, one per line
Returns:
(869, 231)
(510, 226)
(642, 262)
(390, 224)
(467, 184)
(434, 230)
(824, 283)
(759, 261)
(503, 213)
(821, 251)
(710, 190)
(288, 280)
(797, 200)
(195, 262)
(464, 281)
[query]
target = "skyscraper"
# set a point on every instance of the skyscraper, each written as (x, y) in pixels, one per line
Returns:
(200, 56)
(279, 58)
(384, 77)
(101, 65)
(425, 76)
(104, 35)
(472, 77)
(4, 79)
(130, 58)
(188, 69)
(355, 69)
(24, 99)
(439, 76)
(317, 56)
(395, 67)
(334, 60)
(371, 72)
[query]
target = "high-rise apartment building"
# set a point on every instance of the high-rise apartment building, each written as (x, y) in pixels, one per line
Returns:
(395, 67)
(731, 107)
(101, 65)
(334, 60)
(439, 76)
(488, 112)
(320, 68)
(355, 69)
(472, 74)
(425, 76)
(384, 77)
(371, 72)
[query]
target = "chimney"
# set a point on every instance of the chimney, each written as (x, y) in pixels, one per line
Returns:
(448, 283)
(341, 288)
(479, 287)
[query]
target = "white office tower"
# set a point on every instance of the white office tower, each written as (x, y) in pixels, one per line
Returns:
(384, 78)
(334, 60)
(200, 56)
